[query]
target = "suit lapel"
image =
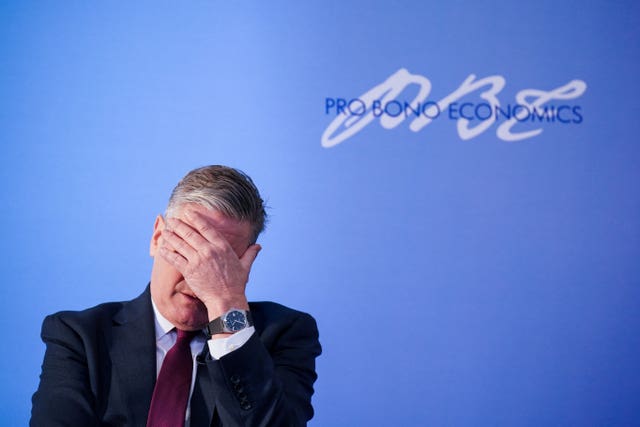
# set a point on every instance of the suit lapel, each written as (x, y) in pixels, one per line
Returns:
(132, 350)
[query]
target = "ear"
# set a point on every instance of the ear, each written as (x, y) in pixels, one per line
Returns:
(158, 226)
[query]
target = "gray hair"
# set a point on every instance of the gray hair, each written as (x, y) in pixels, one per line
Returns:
(224, 189)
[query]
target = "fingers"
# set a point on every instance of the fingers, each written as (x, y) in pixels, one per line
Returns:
(175, 247)
(175, 243)
(195, 237)
(203, 226)
(173, 258)
(249, 256)
(187, 233)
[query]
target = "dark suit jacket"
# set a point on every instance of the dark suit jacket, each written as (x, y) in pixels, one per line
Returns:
(99, 369)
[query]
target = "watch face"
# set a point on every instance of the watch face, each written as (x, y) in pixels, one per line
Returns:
(235, 320)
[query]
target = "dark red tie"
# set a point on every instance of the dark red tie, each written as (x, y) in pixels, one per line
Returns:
(171, 394)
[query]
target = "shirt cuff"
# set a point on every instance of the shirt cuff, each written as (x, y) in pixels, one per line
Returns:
(223, 346)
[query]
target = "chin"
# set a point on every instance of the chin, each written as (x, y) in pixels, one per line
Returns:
(191, 317)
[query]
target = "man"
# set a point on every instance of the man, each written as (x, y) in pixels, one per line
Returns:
(190, 350)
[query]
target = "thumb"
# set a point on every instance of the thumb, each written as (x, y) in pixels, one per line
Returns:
(249, 256)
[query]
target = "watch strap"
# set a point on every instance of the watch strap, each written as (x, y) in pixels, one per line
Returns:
(216, 326)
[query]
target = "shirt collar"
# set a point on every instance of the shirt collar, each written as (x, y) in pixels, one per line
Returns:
(163, 326)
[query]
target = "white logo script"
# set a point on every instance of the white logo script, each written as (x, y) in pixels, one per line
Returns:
(380, 102)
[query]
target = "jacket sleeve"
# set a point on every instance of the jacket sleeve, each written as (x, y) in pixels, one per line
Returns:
(269, 380)
(64, 396)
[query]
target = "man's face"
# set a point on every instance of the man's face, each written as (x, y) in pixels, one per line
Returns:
(169, 291)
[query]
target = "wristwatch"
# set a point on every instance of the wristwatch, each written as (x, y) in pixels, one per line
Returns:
(230, 322)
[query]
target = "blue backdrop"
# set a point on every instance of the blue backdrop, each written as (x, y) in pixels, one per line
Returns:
(459, 277)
